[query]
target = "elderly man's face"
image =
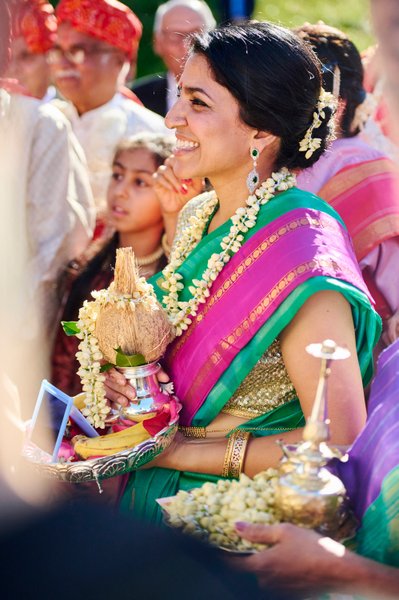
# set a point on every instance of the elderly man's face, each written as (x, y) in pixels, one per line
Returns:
(169, 42)
(30, 68)
(85, 69)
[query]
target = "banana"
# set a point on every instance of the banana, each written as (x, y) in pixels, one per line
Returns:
(79, 400)
(144, 417)
(105, 445)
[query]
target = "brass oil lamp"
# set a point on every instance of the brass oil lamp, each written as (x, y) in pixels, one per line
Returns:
(307, 493)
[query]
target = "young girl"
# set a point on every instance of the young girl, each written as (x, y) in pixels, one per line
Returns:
(134, 214)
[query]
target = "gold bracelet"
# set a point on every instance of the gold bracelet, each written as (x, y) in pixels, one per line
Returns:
(200, 432)
(166, 247)
(235, 453)
(193, 432)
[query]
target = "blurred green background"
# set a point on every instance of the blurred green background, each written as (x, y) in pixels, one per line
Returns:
(352, 16)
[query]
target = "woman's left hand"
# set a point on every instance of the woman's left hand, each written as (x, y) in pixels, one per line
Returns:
(171, 458)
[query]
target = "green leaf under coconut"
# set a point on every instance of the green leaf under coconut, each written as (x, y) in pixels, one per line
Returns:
(126, 360)
(70, 327)
(106, 367)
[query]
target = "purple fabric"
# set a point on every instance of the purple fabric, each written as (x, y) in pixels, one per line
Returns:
(376, 450)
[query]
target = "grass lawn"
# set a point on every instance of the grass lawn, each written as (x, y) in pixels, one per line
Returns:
(351, 16)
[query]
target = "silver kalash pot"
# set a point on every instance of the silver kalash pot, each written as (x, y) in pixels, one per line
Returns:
(307, 493)
(149, 395)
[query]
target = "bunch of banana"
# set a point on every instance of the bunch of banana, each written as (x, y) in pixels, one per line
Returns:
(105, 445)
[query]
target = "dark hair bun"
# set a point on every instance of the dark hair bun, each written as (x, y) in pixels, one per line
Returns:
(340, 59)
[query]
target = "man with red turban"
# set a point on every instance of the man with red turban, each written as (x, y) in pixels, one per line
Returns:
(34, 27)
(96, 42)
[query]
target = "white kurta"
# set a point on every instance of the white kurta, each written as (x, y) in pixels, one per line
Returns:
(100, 130)
(47, 218)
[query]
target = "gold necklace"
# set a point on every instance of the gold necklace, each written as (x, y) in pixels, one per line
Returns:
(143, 261)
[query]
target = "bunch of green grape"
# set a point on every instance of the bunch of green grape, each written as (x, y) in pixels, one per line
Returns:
(211, 511)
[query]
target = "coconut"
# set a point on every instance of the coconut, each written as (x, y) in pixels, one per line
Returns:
(145, 329)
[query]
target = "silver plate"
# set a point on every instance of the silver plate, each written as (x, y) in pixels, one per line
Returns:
(104, 467)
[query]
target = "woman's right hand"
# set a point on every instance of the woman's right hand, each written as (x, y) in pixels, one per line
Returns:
(117, 389)
(173, 193)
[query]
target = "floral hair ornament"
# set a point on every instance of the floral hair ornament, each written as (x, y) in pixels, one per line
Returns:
(363, 112)
(336, 82)
(310, 144)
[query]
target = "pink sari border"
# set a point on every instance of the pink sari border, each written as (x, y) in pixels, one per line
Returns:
(367, 198)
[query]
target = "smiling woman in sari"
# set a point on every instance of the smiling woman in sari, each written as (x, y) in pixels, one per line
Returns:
(257, 271)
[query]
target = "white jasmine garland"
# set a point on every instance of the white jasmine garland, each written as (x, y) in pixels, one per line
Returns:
(90, 355)
(181, 313)
(310, 144)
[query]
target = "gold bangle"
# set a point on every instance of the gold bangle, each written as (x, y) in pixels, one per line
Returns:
(166, 247)
(235, 453)
(238, 452)
(227, 456)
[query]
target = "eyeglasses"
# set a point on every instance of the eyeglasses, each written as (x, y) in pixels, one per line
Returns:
(76, 55)
(24, 57)
(177, 37)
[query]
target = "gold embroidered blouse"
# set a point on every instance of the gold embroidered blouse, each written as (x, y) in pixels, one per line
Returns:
(266, 387)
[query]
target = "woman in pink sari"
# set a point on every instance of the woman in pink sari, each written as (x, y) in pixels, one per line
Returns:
(257, 270)
(360, 182)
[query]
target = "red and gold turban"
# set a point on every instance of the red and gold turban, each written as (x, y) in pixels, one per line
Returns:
(106, 20)
(35, 21)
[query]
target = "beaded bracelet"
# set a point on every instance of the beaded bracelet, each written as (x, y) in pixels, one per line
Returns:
(235, 453)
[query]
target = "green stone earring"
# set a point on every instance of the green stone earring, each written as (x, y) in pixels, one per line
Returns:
(253, 177)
